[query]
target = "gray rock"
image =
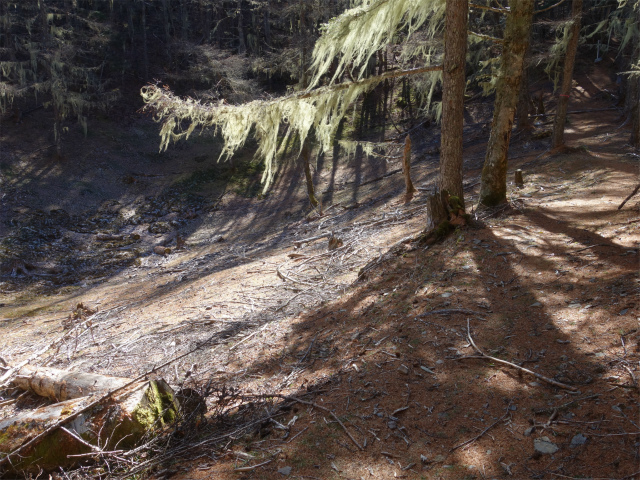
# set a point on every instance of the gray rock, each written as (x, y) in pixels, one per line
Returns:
(529, 431)
(536, 304)
(285, 470)
(544, 445)
(578, 440)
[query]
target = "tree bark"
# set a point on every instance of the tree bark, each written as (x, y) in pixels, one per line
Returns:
(557, 139)
(634, 92)
(242, 46)
(406, 170)
(493, 190)
(306, 153)
(453, 79)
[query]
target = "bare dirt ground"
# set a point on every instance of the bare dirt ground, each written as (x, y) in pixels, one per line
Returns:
(312, 370)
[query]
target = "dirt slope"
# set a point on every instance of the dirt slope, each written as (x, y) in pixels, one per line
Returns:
(549, 283)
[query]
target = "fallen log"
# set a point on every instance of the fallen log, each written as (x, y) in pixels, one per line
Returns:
(119, 422)
(60, 385)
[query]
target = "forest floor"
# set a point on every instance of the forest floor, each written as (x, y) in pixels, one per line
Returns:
(312, 367)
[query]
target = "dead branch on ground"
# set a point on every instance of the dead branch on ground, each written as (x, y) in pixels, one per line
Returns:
(484, 356)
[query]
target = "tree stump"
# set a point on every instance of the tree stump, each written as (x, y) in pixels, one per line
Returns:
(406, 170)
(519, 181)
(437, 211)
(119, 423)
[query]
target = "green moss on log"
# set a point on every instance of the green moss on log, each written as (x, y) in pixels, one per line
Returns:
(160, 409)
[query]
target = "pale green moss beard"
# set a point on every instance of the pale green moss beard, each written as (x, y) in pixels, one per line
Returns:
(360, 32)
(353, 37)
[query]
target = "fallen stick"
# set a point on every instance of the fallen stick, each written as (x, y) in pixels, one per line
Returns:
(483, 432)
(249, 336)
(252, 467)
(449, 311)
(635, 190)
(315, 405)
(590, 246)
(311, 239)
(512, 365)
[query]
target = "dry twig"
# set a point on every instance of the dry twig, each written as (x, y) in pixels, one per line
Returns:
(482, 432)
(484, 356)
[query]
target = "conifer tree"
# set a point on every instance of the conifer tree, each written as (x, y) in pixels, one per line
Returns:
(493, 188)
(557, 138)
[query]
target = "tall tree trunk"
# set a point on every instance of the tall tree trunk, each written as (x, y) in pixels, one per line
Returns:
(267, 24)
(634, 93)
(145, 48)
(242, 46)
(524, 98)
(493, 190)
(557, 139)
(634, 90)
(453, 78)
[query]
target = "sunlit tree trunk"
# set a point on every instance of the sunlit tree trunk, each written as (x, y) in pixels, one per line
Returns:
(493, 190)
(453, 77)
(634, 89)
(557, 139)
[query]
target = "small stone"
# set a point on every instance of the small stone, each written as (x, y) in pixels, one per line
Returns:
(513, 408)
(446, 295)
(600, 354)
(578, 440)
(545, 446)
(285, 470)
(424, 459)
(403, 369)
(439, 362)
(529, 431)
(536, 304)
(477, 241)
(392, 425)
(439, 458)
(622, 312)
(534, 384)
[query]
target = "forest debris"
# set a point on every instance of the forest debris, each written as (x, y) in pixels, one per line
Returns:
(545, 446)
(252, 467)
(335, 242)
(160, 250)
(108, 237)
(299, 243)
(471, 440)
(450, 311)
(120, 423)
(61, 385)
(513, 365)
(635, 190)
